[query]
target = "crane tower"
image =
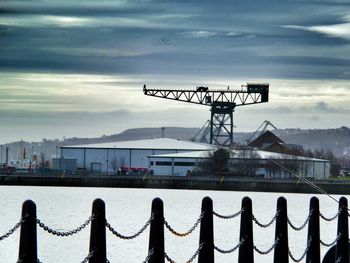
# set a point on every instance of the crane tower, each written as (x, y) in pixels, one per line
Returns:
(222, 102)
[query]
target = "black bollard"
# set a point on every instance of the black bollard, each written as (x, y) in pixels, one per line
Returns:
(281, 234)
(313, 236)
(342, 247)
(246, 250)
(98, 233)
(28, 237)
(206, 236)
(156, 237)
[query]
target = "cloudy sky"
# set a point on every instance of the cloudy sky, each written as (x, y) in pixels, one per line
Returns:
(76, 68)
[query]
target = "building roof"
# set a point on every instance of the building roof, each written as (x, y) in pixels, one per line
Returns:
(265, 139)
(159, 144)
(234, 154)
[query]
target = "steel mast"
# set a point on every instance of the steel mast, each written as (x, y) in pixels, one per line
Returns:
(222, 102)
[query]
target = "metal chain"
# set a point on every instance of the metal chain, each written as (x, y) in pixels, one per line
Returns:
(117, 234)
(265, 225)
(229, 216)
(267, 251)
(329, 219)
(67, 233)
(12, 230)
(230, 250)
(295, 259)
(330, 244)
(150, 253)
(86, 259)
(191, 258)
(304, 254)
(303, 225)
(173, 231)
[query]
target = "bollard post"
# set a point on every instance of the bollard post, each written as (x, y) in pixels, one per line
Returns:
(97, 251)
(28, 237)
(206, 236)
(246, 250)
(342, 247)
(156, 237)
(313, 235)
(281, 234)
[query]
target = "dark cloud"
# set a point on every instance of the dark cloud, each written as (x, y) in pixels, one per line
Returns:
(246, 38)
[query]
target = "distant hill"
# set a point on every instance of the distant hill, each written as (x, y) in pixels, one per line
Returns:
(336, 140)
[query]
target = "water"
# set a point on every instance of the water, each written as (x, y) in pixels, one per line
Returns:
(127, 210)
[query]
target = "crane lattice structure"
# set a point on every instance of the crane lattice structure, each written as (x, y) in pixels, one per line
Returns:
(222, 102)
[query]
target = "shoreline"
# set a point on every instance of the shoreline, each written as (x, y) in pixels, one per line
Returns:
(185, 183)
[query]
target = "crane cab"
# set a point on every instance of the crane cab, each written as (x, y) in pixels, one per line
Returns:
(263, 89)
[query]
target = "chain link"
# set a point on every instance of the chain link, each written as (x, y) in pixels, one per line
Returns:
(330, 244)
(230, 250)
(117, 234)
(229, 216)
(150, 253)
(330, 218)
(67, 233)
(191, 258)
(267, 251)
(173, 231)
(86, 259)
(304, 254)
(265, 225)
(302, 226)
(12, 230)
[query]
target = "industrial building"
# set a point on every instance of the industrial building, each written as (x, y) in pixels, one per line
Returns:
(108, 157)
(261, 163)
(171, 157)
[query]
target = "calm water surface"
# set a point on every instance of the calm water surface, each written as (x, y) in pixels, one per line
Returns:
(127, 210)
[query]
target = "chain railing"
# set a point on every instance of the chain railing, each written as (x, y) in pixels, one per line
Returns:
(222, 251)
(29, 224)
(86, 259)
(187, 261)
(150, 253)
(64, 233)
(330, 244)
(176, 233)
(268, 224)
(121, 236)
(296, 260)
(329, 219)
(228, 216)
(11, 231)
(261, 252)
(303, 225)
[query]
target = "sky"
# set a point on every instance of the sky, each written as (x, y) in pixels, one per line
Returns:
(77, 68)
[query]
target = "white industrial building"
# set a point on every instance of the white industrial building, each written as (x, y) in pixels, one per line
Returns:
(171, 157)
(181, 164)
(98, 157)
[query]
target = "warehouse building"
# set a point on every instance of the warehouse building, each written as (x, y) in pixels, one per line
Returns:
(260, 163)
(109, 157)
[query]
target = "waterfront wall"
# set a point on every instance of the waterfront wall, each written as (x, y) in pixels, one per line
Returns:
(197, 183)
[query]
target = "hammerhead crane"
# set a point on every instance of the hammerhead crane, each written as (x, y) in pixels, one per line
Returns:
(222, 102)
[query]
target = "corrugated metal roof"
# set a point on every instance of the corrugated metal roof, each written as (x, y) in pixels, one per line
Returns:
(159, 143)
(234, 154)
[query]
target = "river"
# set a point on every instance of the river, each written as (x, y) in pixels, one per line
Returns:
(64, 208)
